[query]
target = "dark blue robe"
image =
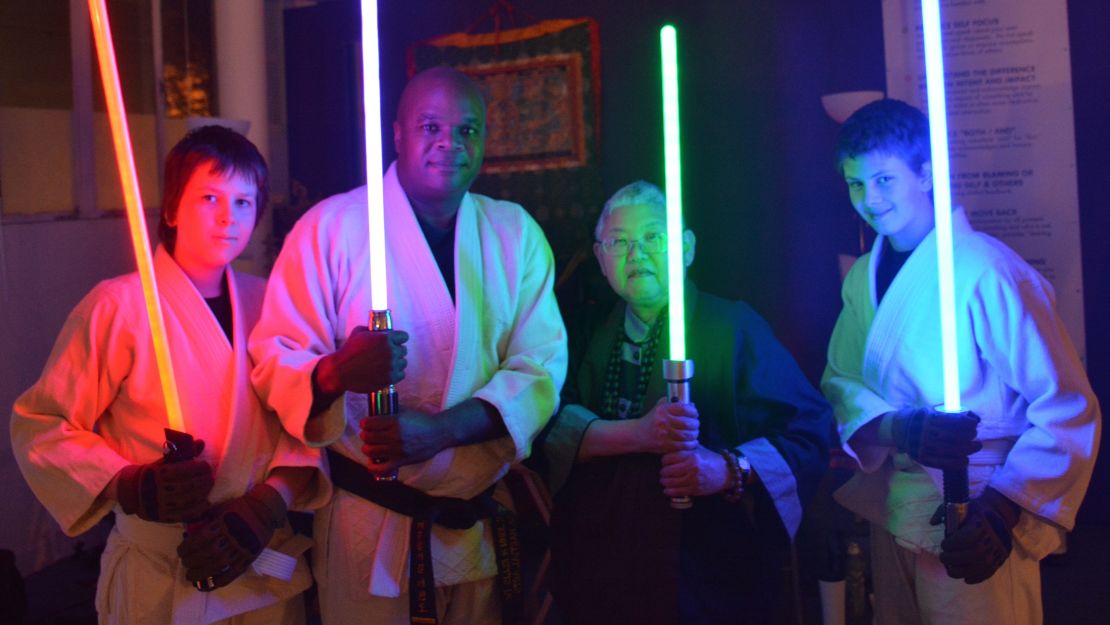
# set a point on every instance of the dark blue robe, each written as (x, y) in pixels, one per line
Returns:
(620, 553)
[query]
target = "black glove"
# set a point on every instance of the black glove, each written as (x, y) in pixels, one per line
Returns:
(169, 492)
(220, 546)
(983, 541)
(936, 439)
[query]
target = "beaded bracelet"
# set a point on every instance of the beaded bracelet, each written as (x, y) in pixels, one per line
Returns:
(734, 489)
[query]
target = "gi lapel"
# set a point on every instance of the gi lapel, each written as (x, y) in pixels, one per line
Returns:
(218, 403)
(471, 296)
(201, 355)
(420, 302)
(903, 345)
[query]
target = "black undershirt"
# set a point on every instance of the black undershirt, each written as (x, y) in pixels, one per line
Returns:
(890, 263)
(442, 243)
(221, 308)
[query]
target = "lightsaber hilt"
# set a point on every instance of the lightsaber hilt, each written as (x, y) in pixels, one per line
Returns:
(956, 491)
(178, 446)
(677, 374)
(955, 499)
(181, 447)
(383, 401)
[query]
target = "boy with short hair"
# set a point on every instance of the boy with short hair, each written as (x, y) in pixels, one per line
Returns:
(1020, 379)
(89, 434)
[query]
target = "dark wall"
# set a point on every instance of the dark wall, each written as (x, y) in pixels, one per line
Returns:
(760, 190)
(1088, 25)
(321, 61)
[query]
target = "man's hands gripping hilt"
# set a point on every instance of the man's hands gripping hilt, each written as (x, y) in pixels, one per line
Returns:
(367, 361)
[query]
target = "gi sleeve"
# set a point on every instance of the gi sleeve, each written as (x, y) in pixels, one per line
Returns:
(525, 387)
(1020, 335)
(791, 452)
(298, 326)
(65, 461)
(559, 444)
(854, 404)
(292, 453)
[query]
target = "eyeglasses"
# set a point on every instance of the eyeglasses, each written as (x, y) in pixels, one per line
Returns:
(652, 243)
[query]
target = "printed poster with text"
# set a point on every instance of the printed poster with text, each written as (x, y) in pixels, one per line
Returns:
(1010, 125)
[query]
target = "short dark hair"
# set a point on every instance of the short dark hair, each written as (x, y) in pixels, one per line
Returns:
(222, 149)
(888, 126)
(631, 194)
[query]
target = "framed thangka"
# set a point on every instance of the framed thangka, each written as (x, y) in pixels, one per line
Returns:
(542, 89)
(535, 114)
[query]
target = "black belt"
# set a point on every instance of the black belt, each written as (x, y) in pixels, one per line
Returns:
(450, 512)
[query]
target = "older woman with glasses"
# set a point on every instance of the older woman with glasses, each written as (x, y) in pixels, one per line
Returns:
(749, 448)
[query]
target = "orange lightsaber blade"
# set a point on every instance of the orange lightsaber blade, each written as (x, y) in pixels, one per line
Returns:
(129, 180)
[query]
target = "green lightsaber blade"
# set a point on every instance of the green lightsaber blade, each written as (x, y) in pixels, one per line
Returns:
(677, 370)
(673, 173)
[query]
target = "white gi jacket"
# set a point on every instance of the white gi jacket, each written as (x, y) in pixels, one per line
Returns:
(501, 341)
(1018, 371)
(98, 407)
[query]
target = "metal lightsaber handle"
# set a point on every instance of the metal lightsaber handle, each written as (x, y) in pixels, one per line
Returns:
(956, 493)
(384, 400)
(677, 374)
(179, 446)
(955, 499)
(182, 447)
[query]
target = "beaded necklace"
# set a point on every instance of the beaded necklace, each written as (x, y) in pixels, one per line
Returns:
(647, 363)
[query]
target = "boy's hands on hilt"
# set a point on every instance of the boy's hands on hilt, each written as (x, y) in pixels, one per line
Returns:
(935, 439)
(983, 541)
(220, 546)
(164, 491)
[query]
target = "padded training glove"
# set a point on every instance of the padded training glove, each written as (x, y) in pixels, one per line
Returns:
(936, 439)
(983, 541)
(219, 547)
(168, 492)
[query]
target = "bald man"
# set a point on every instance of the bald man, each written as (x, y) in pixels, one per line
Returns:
(478, 368)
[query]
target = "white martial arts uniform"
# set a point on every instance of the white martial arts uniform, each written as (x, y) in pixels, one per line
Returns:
(501, 341)
(1018, 371)
(98, 407)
